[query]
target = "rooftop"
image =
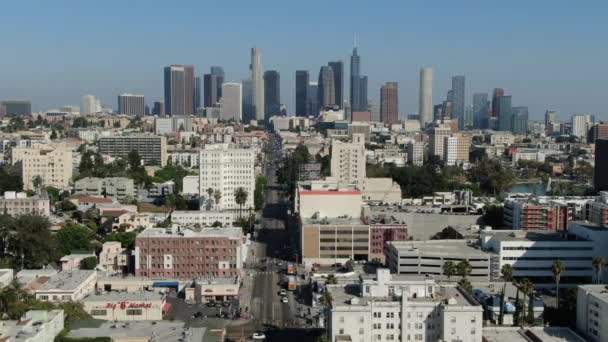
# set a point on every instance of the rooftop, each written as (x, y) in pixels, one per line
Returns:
(45, 281)
(116, 296)
(522, 235)
(541, 334)
(165, 331)
(443, 247)
(228, 232)
(334, 221)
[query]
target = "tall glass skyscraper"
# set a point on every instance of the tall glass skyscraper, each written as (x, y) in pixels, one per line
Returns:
(338, 68)
(458, 84)
(179, 90)
(327, 89)
(302, 79)
(355, 78)
(272, 94)
(505, 113)
(480, 110)
(197, 92)
(519, 120)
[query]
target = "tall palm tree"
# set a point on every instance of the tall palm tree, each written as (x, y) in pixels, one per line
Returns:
(527, 287)
(507, 272)
(599, 262)
(507, 275)
(209, 195)
(557, 268)
(464, 268)
(217, 195)
(449, 269)
(240, 197)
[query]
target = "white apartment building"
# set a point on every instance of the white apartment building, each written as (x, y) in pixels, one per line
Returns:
(17, 203)
(450, 150)
(502, 138)
(190, 218)
(188, 159)
(592, 312)
(528, 154)
(64, 286)
(226, 169)
(348, 160)
(52, 165)
(232, 101)
(190, 185)
(436, 136)
(531, 254)
(34, 326)
(396, 308)
(581, 123)
(415, 152)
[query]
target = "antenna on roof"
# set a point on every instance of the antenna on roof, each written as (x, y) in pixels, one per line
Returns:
(355, 40)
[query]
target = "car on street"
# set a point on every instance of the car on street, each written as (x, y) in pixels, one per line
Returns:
(283, 292)
(210, 304)
(226, 304)
(258, 336)
(284, 300)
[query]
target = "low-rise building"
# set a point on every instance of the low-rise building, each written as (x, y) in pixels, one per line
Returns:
(530, 214)
(127, 306)
(383, 190)
(134, 331)
(334, 240)
(327, 198)
(119, 188)
(34, 326)
(73, 261)
(197, 218)
(213, 289)
(527, 154)
(53, 286)
(591, 311)
(18, 203)
(113, 257)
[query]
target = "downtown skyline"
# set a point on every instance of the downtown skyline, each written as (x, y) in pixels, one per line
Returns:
(559, 71)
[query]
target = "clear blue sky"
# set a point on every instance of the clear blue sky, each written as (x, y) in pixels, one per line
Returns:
(547, 54)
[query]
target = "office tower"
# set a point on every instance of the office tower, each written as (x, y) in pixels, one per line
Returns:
(179, 90)
(257, 77)
(581, 123)
(468, 117)
(358, 102)
(218, 71)
(389, 103)
(601, 165)
(90, 105)
(338, 68)
(211, 92)
(348, 160)
(458, 90)
(415, 152)
(505, 113)
(272, 93)
(312, 99)
(550, 117)
(437, 113)
(374, 110)
(450, 148)
(159, 108)
(327, 90)
(498, 92)
(151, 148)
(436, 135)
(363, 92)
(480, 110)
(52, 165)
(248, 111)
(133, 105)
(302, 80)
(598, 131)
(16, 108)
(519, 120)
(197, 93)
(232, 101)
(425, 96)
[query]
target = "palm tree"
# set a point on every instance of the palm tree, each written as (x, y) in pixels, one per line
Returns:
(557, 268)
(326, 298)
(599, 262)
(217, 195)
(209, 195)
(507, 272)
(240, 197)
(507, 275)
(449, 269)
(331, 280)
(527, 287)
(464, 268)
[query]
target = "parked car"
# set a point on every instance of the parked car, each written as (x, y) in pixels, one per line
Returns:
(258, 336)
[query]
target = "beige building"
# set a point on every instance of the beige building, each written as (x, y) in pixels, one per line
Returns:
(113, 258)
(53, 166)
(152, 148)
(327, 199)
(53, 286)
(348, 160)
(124, 306)
(335, 240)
(383, 190)
(17, 203)
(436, 139)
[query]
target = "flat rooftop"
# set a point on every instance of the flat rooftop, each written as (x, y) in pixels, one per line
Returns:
(334, 221)
(46, 280)
(228, 232)
(544, 334)
(115, 296)
(165, 331)
(437, 247)
(600, 291)
(522, 235)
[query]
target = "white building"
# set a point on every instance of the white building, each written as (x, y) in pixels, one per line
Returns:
(592, 312)
(327, 198)
(528, 154)
(124, 306)
(450, 150)
(188, 159)
(190, 185)
(581, 123)
(383, 190)
(415, 152)
(391, 308)
(64, 286)
(132, 105)
(90, 105)
(232, 101)
(34, 326)
(257, 80)
(502, 138)
(425, 97)
(348, 160)
(436, 136)
(17, 203)
(113, 257)
(226, 169)
(204, 218)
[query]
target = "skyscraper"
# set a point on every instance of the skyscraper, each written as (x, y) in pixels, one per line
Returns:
(257, 78)
(338, 68)
(327, 90)
(458, 87)
(272, 93)
(179, 90)
(159, 108)
(480, 110)
(389, 103)
(16, 107)
(218, 71)
(601, 165)
(248, 111)
(363, 92)
(133, 105)
(312, 99)
(519, 118)
(232, 101)
(498, 92)
(302, 79)
(210, 93)
(90, 105)
(355, 77)
(425, 96)
(505, 113)
(550, 117)
(197, 92)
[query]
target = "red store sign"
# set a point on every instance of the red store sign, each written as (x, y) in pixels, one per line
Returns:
(128, 305)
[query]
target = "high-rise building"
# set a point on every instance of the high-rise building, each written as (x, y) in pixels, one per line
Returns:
(415, 152)
(338, 68)
(425, 96)
(450, 149)
(257, 77)
(327, 90)
(52, 165)
(218, 71)
(179, 90)
(272, 93)
(458, 105)
(519, 120)
(348, 160)
(505, 113)
(480, 110)
(197, 93)
(467, 121)
(159, 108)
(498, 92)
(358, 84)
(16, 108)
(598, 131)
(312, 99)
(389, 103)
(302, 80)
(248, 111)
(550, 117)
(363, 92)
(232, 101)
(581, 123)
(133, 105)
(436, 135)
(151, 148)
(601, 165)
(211, 95)
(90, 105)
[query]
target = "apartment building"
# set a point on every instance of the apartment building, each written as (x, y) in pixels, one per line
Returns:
(531, 214)
(118, 188)
(58, 287)
(225, 168)
(598, 210)
(203, 218)
(34, 326)
(380, 234)
(52, 165)
(113, 257)
(437, 134)
(527, 154)
(348, 160)
(151, 148)
(415, 152)
(188, 159)
(398, 308)
(186, 254)
(428, 257)
(450, 150)
(592, 312)
(18, 203)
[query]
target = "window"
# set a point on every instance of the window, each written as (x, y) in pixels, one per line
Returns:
(134, 312)
(99, 312)
(361, 331)
(341, 319)
(341, 331)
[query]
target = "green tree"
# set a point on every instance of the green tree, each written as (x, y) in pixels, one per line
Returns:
(449, 269)
(259, 192)
(491, 176)
(240, 197)
(217, 195)
(447, 233)
(326, 298)
(37, 182)
(74, 237)
(126, 239)
(88, 263)
(599, 263)
(464, 268)
(557, 269)
(465, 284)
(134, 160)
(27, 239)
(53, 135)
(526, 287)
(331, 280)
(507, 272)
